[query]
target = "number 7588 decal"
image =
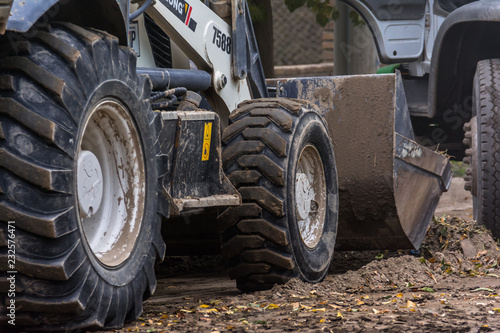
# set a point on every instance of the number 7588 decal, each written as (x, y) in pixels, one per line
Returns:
(222, 41)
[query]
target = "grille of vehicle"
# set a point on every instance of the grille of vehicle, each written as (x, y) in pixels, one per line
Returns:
(160, 44)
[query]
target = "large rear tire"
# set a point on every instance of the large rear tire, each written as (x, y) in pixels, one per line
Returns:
(483, 138)
(78, 180)
(278, 154)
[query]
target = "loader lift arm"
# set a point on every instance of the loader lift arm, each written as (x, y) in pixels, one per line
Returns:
(4, 15)
(211, 44)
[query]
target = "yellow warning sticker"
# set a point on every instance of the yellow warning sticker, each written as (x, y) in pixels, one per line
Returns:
(207, 137)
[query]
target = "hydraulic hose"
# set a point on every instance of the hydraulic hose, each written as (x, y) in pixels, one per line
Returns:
(141, 10)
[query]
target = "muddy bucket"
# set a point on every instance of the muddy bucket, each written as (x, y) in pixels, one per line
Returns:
(389, 185)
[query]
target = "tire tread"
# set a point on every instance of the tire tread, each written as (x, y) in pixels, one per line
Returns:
(489, 76)
(255, 148)
(61, 67)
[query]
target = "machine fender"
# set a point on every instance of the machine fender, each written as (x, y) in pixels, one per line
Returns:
(385, 18)
(465, 37)
(108, 15)
(24, 15)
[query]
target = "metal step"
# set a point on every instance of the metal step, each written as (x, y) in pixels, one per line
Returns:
(223, 200)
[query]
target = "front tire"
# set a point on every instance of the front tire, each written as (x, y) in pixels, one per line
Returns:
(483, 138)
(278, 154)
(79, 179)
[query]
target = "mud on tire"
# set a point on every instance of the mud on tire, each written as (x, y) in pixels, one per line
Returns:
(270, 146)
(59, 91)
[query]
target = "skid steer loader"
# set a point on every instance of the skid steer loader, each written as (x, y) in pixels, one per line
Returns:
(116, 118)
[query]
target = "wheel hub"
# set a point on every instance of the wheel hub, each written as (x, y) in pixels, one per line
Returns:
(310, 196)
(111, 183)
(90, 184)
(304, 195)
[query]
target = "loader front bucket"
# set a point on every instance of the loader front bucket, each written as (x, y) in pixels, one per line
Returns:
(389, 185)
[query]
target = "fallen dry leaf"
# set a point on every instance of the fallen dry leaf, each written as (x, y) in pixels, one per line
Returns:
(410, 304)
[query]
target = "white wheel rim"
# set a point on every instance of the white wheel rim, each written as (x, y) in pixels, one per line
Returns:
(114, 221)
(310, 196)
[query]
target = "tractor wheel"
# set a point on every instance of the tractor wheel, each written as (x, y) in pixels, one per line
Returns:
(483, 138)
(78, 181)
(278, 154)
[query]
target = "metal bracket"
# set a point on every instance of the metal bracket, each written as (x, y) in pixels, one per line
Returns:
(246, 57)
(191, 164)
(239, 39)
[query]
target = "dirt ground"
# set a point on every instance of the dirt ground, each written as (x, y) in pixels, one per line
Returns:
(450, 285)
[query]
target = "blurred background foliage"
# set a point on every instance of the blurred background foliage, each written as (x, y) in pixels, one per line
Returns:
(323, 9)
